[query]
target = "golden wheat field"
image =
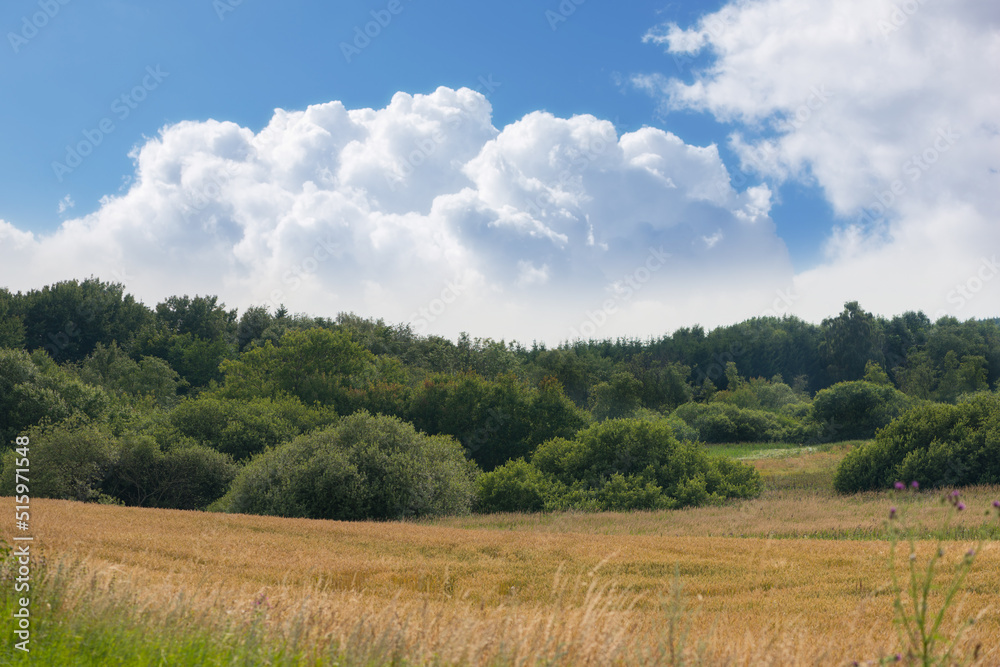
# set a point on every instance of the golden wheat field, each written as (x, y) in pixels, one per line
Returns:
(722, 585)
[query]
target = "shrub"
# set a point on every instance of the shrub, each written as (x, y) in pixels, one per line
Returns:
(935, 445)
(517, 486)
(365, 467)
(68, 461)
(723, 422)
(188, 477)
(496, 420)
(617, 464)
(856, 410)
(242, 428)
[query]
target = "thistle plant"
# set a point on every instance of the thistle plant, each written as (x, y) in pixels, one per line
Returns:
(919, 625)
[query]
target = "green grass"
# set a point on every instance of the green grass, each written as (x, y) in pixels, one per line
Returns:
(106, 628)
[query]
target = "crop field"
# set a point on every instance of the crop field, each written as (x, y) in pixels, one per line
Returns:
(797, 576)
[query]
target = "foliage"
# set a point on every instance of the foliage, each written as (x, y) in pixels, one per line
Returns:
(854, 410)
(11, 325)
(33, 388)
(113, 370)
(723, 422)
(364, 467)
(313, 365)
(496, 420)
(187, 478)
(517, 486)
(619, 397)
(618, 464)
(935, 445)
(68, 319)
(242, 428)
(68, 461)
(850, 341)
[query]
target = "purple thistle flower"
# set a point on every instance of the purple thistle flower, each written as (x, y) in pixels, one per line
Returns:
(996, 503)
(954, 494)
(900, 486)
(915, 485)
(899, 657)
(892, 512)
(960, 506)
(971, 553)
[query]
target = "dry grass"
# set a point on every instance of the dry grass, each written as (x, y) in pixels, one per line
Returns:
(566, 589)
(476, 596)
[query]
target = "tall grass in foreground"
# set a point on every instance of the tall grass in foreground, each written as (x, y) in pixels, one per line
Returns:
(89, 617)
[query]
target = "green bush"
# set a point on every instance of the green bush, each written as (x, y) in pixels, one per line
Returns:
(188, 477)
(935, 445)
(242, 428)
(68, 461)
(618, 464)
(496, 420)
(723, 422)
(517, 486)
(365, 467)
(856, 410)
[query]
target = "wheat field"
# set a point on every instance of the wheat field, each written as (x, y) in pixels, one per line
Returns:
(727, 585)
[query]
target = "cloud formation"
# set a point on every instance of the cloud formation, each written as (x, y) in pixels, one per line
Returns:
(890, 107)
(424, 212)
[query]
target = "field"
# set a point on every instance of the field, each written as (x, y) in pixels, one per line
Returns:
(798, 576)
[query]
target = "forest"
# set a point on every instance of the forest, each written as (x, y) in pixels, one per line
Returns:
(192, 405)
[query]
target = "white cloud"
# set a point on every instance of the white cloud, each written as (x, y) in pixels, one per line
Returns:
(66, 203)
(423, 211)
(890, 108)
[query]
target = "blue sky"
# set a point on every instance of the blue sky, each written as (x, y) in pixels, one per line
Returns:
(706, 81)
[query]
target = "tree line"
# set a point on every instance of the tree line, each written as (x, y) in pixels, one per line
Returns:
(182, 404)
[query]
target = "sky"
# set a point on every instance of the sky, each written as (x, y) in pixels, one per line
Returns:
(541, 171)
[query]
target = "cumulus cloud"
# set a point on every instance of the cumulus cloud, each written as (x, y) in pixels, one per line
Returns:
(890, 108)
(425, 212)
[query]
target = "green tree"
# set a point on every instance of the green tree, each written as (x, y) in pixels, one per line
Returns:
(314, 365)
(11, 326)
(850, 341)
(245, 427)
(69, 461)
(187, 477)
(496, 420)
(253, 324)
(33, 388)
(617, 464)
(113, 370)
(936, 445)
(202, 317)
(619, 397)
(853, 410)
(875, 374)
(68, 319)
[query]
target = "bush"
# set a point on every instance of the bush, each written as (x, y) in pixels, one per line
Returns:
(242, 428)
(187, 478)
(68, 461)
(723, 422)
(517, 486)
(935, 445)
(496, 420)
(365, 467)
(618, 464)
(856, 410)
